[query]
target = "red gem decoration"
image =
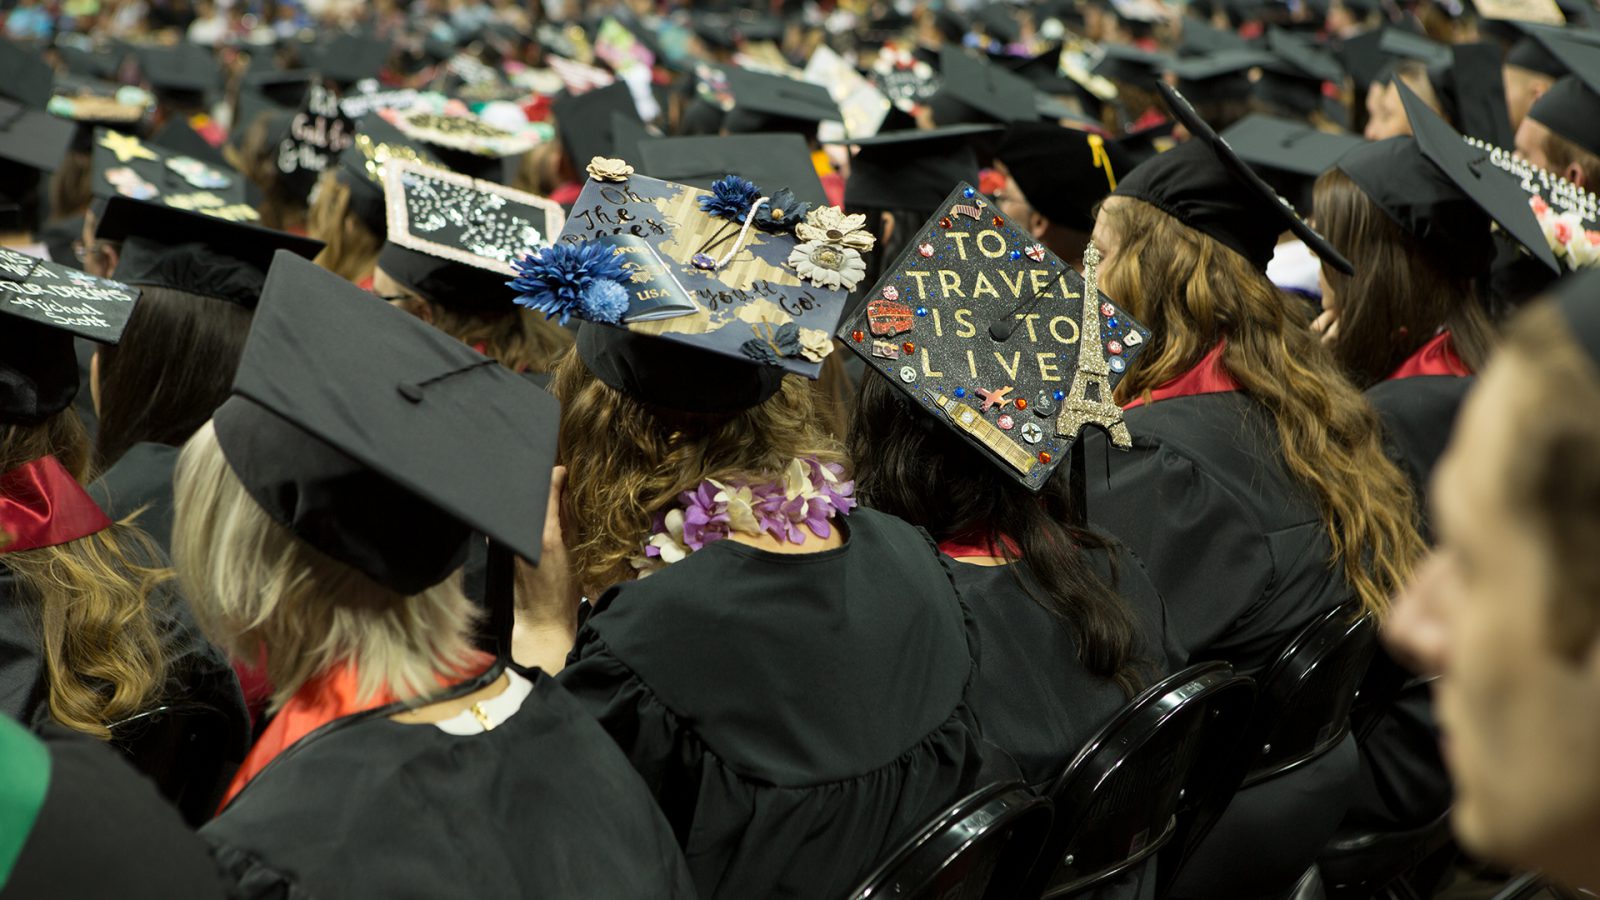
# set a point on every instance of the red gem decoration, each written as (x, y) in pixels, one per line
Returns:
(890, 292)
(1006, 423)
(1022, 403)
(998, 222)
(858, 335)
(1115, 347)
(1044, 457)
(945, 222)
(1107, 309)
(909, 347)
(925, 248)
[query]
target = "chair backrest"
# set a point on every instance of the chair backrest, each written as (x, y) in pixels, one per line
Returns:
(978, 848)
(184, 749)
(1304, 706)
(1140, 782)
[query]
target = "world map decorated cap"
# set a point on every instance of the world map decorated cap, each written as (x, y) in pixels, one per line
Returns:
(994, 336)
(697, 300)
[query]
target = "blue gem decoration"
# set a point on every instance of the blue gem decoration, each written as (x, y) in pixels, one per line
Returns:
(959, 392)
(1016, 254)
(1060, 396)
(922, 310)
(1113, 323)
(1117, 363)
(969, 193)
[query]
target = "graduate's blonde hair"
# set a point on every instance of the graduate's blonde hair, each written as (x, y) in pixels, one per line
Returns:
(253, 585)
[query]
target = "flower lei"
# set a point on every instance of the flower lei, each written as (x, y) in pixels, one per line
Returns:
(1569, 240)
(809, 494)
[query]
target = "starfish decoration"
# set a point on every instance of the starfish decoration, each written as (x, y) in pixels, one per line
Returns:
(990, 398)
(126, 147)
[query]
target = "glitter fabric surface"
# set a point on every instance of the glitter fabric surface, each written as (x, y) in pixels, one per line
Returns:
(478, 223)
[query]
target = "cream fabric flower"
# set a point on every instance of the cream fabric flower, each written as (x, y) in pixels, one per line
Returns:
(830, 225)
(741, 508)
(815, 345)
(603, 168)
(797, 479)
(828, 265)
(1583, 250)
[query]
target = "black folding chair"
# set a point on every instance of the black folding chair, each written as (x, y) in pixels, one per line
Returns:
(185, 749)
(1152, 780)
(978, 849)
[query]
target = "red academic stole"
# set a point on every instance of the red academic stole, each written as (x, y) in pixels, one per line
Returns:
(968, 546)
(1436, 357)
(1209, 376)
(324, 698)
(42, 505)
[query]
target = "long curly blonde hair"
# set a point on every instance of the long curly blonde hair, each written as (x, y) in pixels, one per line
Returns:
(102, 653)
(628, 461)
(1192, 292)
(351, 249)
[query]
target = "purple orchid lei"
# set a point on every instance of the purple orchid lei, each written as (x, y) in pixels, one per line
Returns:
(809, 494)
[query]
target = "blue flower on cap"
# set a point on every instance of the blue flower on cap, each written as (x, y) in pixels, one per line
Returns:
(782, 212)
(584, 279)
(731, 198)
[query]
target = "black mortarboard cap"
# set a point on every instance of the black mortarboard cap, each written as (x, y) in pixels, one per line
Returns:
(1143, 145)
(913, 170)
(764, 102)
(286, 89)
(1063, 173)
(1430, 208)
(1571, 107)
(999, 22)
(585, 121)
(349, 58)
(42, 307)
(380, 440)
(981, 327)
(82, 57)
(1301, 58)
(452, 239)
(1204, 184)
(1220, 76)
(178, 137)
(122, 164)
(627, 133)
(361, 168)
(1132, 66)
(975, 90)
(1288, 145)
(1473, 92)
(183, 69)
(1403, 44)
(251, 106)
(773, 161)
(1200, 38)
(24, 76)
(1043, 71)
(163, 246)
(32, 137)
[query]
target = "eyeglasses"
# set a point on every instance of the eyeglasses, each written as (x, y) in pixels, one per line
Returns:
(82, 251)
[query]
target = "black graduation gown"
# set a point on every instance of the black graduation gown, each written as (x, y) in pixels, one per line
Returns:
(1237, 550)
(796, 716)
(141, 479)
(541, 806)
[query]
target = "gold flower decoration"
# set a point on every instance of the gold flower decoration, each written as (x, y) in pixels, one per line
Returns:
(830, 225)
(603, 168)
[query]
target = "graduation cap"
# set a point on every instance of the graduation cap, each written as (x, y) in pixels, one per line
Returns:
(24, 76)
(912, 170)
(285, 88)
(184, 72)
(349, 58)
(1288, 153)
(42, 307)
(1221, 76)
(1294, 55)
(1132, 66)
(585, 121)
(361, 168)
(763, 102)
(975, 90)
(81, 56)
(1547, 12)
(1473, 93)
(164, 246)
(688, 308)
(1531, 51)
(447, 441)
(65, 795)
(123, 165)
(997, 338)
(772, 160)
(1571, 107)
(32, 137)
(452, 239)
(1403, 44)
(1205, 185)
(1442, 191)
(179, 137)
(1064, 173)
(1202, 39)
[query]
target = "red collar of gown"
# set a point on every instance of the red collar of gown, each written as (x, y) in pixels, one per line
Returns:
(1209, 376)
(970, 545)
(1436, 357)
(42, 505)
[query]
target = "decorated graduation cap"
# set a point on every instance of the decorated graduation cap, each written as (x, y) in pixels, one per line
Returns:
(42, 307)
(975, 90)
(122, 165)
(762, 158)
(764, 102)
(1205, 185)
(1567, 213)
(317, 133)
(91, 103)
(697, 300)
(447, 441)
(1571, 107)
(32, 137)
(453, 239)
(466, 143)
(24, 75)
(191, 251)
(361, 167)
(998, 339)
(912, 170)
(1063, 173)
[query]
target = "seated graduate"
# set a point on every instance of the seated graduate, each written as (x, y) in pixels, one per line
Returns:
(1505, 610)
(331, 542)
(1070, 626)
(347, 208)
(199, 279)
(791, 677)
(1276, 502)
(1055, 178)
(90, 631)
(1561, 132)
(451, 244)
(65, 800)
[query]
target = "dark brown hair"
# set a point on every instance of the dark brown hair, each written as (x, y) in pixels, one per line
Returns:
(1401, 294)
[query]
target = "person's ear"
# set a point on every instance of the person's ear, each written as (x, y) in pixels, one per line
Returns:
(1037, 225)
(888, 227)
(1574, 174)
(113, 254)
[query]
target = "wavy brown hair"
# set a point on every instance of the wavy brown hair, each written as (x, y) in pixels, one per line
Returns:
(1193, 292)
(103, 660)
(351, 248)
(628, 461)
(519, 339)
(1400, 296)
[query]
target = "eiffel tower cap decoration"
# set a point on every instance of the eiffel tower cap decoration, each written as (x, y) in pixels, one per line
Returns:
(983, 328)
